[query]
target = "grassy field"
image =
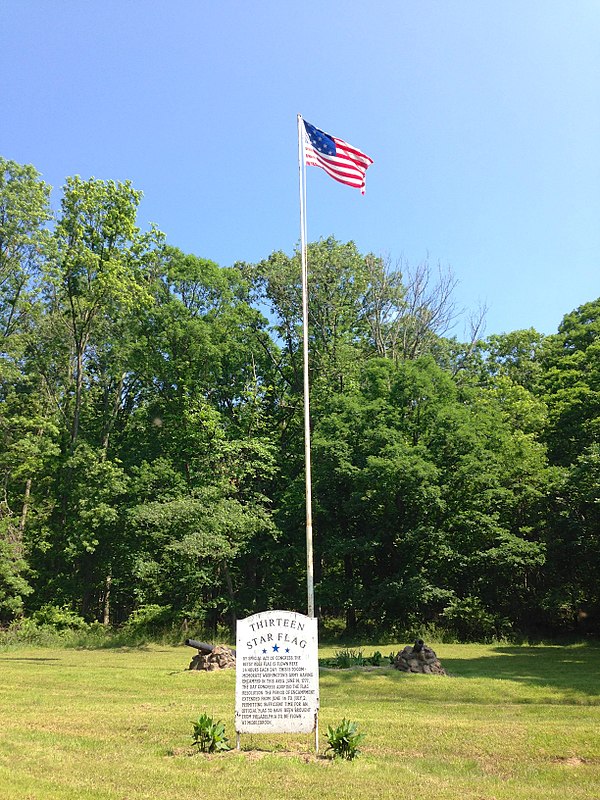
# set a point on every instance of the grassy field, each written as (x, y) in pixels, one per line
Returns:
(512, 722)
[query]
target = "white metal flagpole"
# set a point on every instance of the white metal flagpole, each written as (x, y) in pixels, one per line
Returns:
(309, 542)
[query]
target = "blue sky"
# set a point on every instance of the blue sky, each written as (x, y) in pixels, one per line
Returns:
(482, 117)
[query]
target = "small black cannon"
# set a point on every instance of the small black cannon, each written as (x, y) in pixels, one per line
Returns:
(203, 647)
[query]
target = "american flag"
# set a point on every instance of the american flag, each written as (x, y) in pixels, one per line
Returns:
(339, 159)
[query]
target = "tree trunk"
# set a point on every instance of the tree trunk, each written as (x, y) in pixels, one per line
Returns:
(23, 518)
(106, 615)
(78, 397)
(230, 592)
(350, 610)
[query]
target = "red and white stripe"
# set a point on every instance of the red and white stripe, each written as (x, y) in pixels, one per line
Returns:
(348, 165)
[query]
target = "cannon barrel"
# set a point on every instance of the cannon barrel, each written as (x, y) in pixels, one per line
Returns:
(202, 646)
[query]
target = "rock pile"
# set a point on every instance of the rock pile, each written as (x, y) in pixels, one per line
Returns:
(220, 657)
(419, 658)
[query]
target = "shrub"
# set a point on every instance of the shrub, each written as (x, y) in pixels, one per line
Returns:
(472, 621)
(60, 618)
(148, 619)
(26, 631)
(344, 740)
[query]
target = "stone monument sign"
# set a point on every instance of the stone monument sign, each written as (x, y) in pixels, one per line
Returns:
(277, 674)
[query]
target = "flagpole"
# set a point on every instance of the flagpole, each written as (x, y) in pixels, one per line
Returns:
(309, 542)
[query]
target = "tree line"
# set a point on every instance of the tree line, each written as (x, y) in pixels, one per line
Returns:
(151, 435)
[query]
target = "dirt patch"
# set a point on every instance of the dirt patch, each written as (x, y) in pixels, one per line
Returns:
(571, 761)
(249, 755)
(307, 758)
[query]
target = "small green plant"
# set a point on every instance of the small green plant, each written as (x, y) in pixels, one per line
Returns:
(208, 735)
(344, 740)
(349, 658)
(344, 659)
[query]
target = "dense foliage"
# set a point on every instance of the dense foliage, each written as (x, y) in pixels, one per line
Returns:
(151, 438)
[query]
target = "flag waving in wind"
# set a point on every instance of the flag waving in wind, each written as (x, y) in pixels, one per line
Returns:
(339, 159)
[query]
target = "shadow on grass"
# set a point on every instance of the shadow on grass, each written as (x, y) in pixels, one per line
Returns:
(572, 670)
(10, 658)
(568, 668)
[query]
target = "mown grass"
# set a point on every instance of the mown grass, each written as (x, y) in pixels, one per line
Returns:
(513, 722)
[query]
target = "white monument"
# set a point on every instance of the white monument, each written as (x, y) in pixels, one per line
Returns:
(277, 674)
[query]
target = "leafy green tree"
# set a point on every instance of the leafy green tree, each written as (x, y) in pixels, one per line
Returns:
(516, 356)
(24, 421)
(100, 272)
(572, 384)
(94, 282)
(197, 443)
(24, 212)
(571, 390)
(426, 491)
(338, 277)
(84, 538)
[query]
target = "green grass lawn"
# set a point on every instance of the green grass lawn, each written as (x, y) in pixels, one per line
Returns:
(518, 723)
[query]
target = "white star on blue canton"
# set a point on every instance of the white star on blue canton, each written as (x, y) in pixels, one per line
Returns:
(320, 141)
